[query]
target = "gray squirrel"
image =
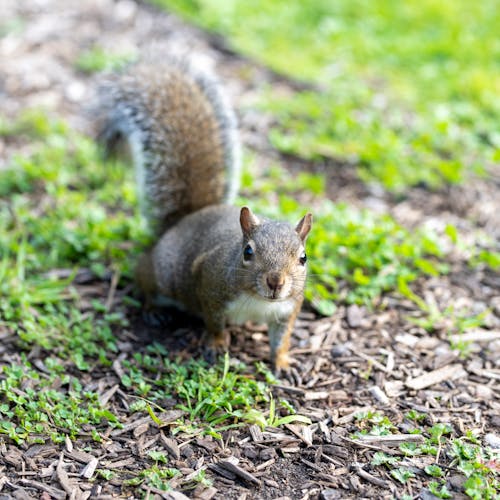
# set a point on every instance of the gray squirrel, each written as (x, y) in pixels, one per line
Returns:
(218, 261)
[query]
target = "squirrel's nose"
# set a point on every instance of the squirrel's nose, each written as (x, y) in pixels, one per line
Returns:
(275, 281)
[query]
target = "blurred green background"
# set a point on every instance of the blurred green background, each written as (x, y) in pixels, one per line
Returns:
(408, 90)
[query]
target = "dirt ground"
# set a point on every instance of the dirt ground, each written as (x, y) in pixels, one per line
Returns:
(355, 360)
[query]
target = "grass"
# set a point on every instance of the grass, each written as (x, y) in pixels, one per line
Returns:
(408, 103)
(98, 59)
(222, 396)
(358, 255)
(447, 447)
(32, 409)
(64, 211)
(406, 91)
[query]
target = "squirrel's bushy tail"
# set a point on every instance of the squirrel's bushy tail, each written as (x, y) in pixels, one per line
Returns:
(180, 133)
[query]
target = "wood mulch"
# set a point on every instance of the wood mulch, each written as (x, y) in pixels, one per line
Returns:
(356, 360)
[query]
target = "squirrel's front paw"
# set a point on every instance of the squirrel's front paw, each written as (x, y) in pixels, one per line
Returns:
(281, 365)
(215, 346)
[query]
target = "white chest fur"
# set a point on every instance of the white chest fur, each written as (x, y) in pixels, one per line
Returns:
(250, 308)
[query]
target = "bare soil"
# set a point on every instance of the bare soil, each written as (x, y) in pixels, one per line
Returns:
(355, 360)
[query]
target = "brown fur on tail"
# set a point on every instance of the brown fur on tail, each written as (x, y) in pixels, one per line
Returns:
(181, 135)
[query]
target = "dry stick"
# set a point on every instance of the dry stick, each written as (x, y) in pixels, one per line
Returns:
(448, 372)
(359, 444)
(373, 361)
(265, 465)
(392, 439)
(438, 450)
(369, 477)
(53, 492)
(476, 336)
(112, 290)
(72, 490)
(311, 465)
(238, 471)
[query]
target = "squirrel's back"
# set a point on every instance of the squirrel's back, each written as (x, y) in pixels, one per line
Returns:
(181, 135)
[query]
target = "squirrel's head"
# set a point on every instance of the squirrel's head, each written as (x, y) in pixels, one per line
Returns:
(273, 257)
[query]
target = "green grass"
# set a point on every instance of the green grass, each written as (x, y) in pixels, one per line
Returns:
(406, 91)
(98, 59)
(447, 446)
(58, 211)
(356, 255)
(34, 405)
(63, 210)
(222, 396)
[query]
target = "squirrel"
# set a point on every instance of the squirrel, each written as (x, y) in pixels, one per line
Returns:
(215, 260)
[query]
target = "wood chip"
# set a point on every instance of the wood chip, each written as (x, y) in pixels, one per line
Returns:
(303, 432)
(141, 429)
(68, 443)
(167, 495)
(341, 471)
(307, 434)
(222, 471)
(80, 456)
(117, 367)
(476, 336)
(69, 486)
(316, 395)
(354, 316)
(256, 433)
(171, 446)
(407, 339)
(120, 464)
(169, 417)
(53, 492)
(265, 465)
(106, 396)
(372, 361)
(207, 493)
(494, 375)
(392, 439)
(89, 469)
(379, 394)
(312, 465)
(358, 468)
(290, 449)
(232, 466)
(291, 389)
(271, 482)
(449, 372)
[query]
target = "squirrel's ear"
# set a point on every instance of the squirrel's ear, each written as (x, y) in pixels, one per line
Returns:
(304, 226)
(248, 220)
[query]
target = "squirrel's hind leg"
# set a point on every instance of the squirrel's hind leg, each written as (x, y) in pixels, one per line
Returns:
(146, 282)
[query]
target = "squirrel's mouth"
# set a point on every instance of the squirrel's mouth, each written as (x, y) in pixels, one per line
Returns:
(273, 297)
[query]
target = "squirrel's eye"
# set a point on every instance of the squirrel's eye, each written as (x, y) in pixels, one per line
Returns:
(247, 253)
(303, 258)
